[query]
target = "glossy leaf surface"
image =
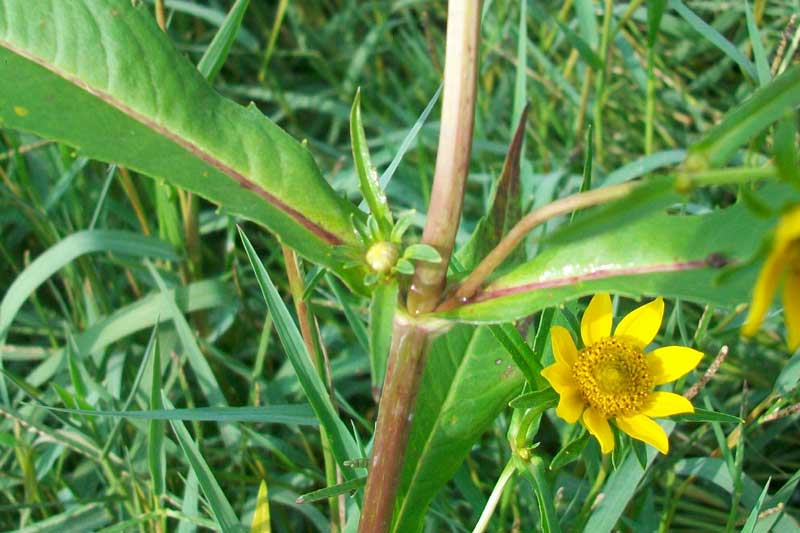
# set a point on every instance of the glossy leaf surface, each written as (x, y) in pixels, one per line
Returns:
(102, 77)
(469, 378)
(658, 255)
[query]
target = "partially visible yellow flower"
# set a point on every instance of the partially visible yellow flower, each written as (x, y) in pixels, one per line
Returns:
(613, 378)
(784, 258)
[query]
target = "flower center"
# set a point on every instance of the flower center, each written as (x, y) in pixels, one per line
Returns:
(613, 377)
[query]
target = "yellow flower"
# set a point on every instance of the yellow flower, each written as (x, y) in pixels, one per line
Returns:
(783, 258)
(613, 378)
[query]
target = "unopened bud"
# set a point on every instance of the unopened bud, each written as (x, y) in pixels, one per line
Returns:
(382, 256)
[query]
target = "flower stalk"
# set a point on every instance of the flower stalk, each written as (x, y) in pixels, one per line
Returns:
(395, 413)
(514, 237)
(410, 340)
(453, 154)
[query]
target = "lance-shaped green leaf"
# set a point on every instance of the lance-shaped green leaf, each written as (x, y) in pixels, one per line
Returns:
(655, 10)
(764, 107)
(570, 452)
(66, 251)
(468, 380)
(333, 490)
(220, 506)
(505, 210)
(102, 77)
(156, 452)
(674, 256)
(342, 443)
(381, 313)
(292, 414)
(713, 36)
(217, 51)
(367, 176)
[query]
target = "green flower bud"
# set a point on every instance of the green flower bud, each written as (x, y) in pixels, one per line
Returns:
(382, 256)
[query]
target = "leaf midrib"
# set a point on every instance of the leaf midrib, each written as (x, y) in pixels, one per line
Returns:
(174, 137)
(514, 289)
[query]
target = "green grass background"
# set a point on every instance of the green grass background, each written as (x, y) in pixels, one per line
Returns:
(80, 340)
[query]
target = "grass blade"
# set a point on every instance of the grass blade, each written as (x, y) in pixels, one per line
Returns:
(350, 314)
(151, 350)
(409, 139)
(189, 506)
(334, 490)
(655, 10)
(620, 488)
(759, 54)
(156, 457)
(133, 318)
(220, 506)
(217, 52)
(752, 519)
(295, 415)
(520, 80)
(66, 251)
(587, 22)
(215, 17)
(643, 166)
(342, 444)
(205, 375)
(716, 38)
(261, 521)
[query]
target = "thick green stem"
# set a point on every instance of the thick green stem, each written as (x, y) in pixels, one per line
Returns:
(452, 157)
(395, 412)
(410, 339)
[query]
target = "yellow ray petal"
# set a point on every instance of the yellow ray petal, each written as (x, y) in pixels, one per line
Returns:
(596, 321)
(564, 349)
(571, 405)
(764, 290)
(671, 362)
(662, 403)
(597, 424)
(788, 229)
(642, 323)
(791, 306)
(645, 429)
(559, 376)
